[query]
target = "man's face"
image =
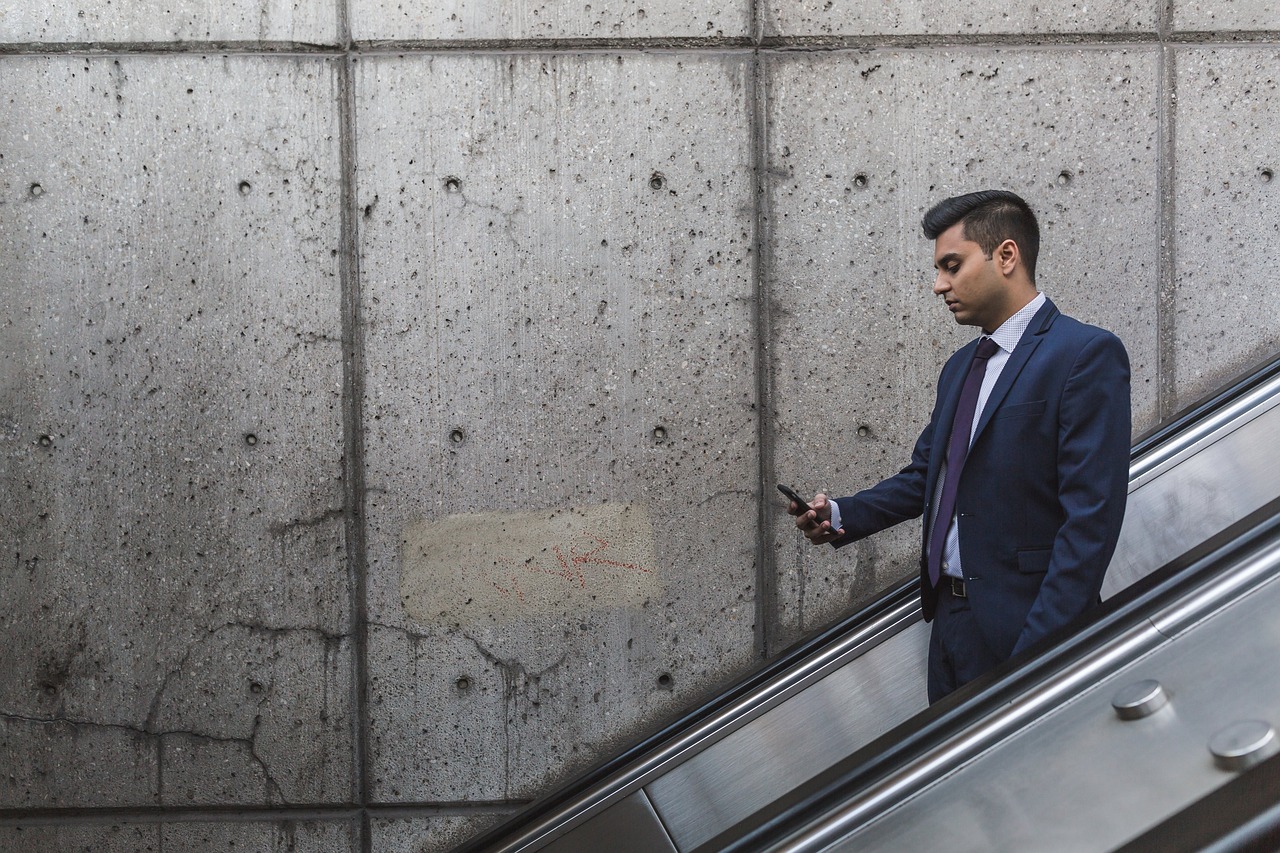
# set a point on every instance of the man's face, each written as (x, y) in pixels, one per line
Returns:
(971, 284)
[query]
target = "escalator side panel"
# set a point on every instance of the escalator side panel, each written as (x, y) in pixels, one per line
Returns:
(629, 826)
(805, 734)
(1080, 777)
(1243, 816)
(1205, 489)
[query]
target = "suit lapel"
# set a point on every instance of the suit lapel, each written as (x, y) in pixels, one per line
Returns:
(1017, 360)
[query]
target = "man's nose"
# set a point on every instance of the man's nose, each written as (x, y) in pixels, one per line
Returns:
(940, 284)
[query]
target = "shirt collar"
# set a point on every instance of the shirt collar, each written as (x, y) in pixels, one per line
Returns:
(1011, 330)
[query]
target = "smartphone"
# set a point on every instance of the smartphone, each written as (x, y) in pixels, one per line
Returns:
(791, 493)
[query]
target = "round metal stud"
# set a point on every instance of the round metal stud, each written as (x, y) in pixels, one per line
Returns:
(1140, 699)
(1242, 745)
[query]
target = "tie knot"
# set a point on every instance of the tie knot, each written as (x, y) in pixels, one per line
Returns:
(986, 348)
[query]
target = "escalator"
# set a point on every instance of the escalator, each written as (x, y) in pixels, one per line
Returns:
(1170, 693)
(814, 748)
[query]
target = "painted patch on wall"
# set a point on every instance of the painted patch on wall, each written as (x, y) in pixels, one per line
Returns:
(497, 567)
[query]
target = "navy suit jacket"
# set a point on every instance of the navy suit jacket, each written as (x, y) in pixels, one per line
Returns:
(1042, 493)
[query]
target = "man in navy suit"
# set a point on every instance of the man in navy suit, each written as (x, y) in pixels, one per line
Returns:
(1032, 509)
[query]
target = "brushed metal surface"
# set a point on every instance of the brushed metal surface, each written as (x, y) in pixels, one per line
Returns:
(1078, 778)
(801, 737)
(1182, 494)
(628, 826)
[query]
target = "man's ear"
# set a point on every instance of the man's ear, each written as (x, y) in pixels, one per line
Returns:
(1007, 256)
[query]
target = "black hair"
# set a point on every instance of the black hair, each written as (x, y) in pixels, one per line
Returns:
(990, 217)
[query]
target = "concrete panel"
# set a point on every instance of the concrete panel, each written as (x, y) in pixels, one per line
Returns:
(429, 834)
(518, 19)
(921, 17)
(192, 837)
(860, 145)
(1227, 214)
(313, 21)
(557, 287)
(175, 600)
(1216, 16)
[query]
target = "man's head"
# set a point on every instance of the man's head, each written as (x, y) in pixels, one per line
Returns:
(985, 253)
(989, 218)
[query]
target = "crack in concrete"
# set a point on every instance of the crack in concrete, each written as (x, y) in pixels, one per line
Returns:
(415, 636)
(150, 725)
(516, 680)
(249, 742)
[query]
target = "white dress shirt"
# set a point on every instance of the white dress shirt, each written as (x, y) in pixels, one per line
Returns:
(1006, 338)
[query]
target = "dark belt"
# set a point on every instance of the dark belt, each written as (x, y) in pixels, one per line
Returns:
(956, 585)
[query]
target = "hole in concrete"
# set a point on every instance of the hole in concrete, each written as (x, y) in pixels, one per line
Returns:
(245, 188)
(659, 433)
(657, 181)
(250, 439)
(456, 436)
(452, 184)
(860, 181)
(255, 687)
(664, 681)
(463, 683)
(46, 441)
(1267, 175)
(1065, 177)
(36, 190)
(864, 430)
(49, 688)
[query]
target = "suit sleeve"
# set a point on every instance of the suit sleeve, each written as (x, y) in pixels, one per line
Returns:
(1093, 483)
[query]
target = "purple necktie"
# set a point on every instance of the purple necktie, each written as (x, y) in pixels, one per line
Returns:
(957, 450)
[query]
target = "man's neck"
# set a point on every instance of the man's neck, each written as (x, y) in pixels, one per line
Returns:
(1017, 305)
(1035, 298)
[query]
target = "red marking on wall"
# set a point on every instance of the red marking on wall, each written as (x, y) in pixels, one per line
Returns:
(572, 568)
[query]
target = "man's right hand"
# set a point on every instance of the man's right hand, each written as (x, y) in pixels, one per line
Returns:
(815, 523)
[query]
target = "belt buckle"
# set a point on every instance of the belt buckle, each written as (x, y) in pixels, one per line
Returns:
(957, 588)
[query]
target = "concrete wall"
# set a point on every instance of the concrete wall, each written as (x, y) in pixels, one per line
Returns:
(392, 394)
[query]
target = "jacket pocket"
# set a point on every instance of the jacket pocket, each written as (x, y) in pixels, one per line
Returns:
(1035, 561)
(1035, 407)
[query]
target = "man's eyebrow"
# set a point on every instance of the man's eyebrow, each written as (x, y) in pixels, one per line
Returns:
(949, 256)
